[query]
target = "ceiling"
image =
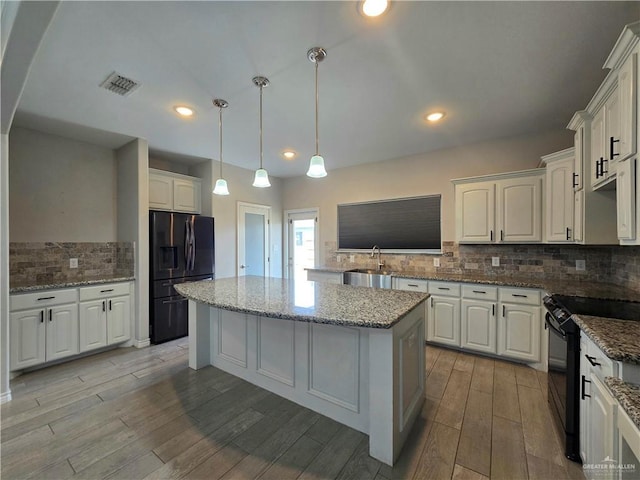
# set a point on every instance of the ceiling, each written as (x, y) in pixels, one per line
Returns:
(498, 69)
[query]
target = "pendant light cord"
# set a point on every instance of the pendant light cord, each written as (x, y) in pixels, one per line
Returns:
(220, 125)
(260, 126)
(316, 62)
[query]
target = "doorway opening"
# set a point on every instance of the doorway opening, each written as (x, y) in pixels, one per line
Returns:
(303, 244)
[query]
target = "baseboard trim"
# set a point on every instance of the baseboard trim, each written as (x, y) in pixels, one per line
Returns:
(142, 343)
(5, 397)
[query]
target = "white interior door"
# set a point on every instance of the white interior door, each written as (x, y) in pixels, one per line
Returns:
(303, 242)
(253, 239)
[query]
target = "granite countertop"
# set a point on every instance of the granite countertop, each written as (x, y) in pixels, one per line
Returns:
(78, 283)
(305, 301)
(571, 288)
(618, 339)
(628, 395)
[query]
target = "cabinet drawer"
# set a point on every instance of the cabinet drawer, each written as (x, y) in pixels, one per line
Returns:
(481, 292)
(525, 296)
(104, 291)
(412, 284)
(44, 298)
(444, 288)
(599, 364)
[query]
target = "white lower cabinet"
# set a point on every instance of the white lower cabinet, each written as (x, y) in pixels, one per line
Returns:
(598, 410)
(43, 327)
(105, 315)
(519, 332)
(601, 441)
(479, 325)
(444, 321)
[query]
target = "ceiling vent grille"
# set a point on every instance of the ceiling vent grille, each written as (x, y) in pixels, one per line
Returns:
(120, 84)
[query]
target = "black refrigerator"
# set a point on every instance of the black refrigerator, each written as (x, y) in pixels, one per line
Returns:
(181, 250)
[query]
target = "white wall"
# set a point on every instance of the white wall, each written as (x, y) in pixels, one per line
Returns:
(133, 225)
(61, 190)
(423, 174)
(5, 391)
(224, 210)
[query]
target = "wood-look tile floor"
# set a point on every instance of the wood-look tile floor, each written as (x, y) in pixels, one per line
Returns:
(143, 414)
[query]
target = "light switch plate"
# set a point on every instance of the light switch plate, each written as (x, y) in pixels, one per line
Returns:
(436, 262)
(581, 265)
(495, 261)
(73, 263)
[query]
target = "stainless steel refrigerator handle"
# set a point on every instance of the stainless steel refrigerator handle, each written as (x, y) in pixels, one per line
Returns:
(186, 245)
(193, 243)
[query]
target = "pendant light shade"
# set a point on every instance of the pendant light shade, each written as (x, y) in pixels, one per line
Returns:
(261, 180)
(316, 164)
(221, 184)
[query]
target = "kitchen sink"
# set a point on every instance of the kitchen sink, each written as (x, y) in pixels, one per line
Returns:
(363, 277)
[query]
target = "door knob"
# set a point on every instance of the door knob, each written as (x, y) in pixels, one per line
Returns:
(244, 266)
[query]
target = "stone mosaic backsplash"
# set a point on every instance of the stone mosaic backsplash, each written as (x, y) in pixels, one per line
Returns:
(611, 264)
(48, 262)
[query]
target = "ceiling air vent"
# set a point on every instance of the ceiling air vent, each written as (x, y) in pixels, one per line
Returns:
(120, 84)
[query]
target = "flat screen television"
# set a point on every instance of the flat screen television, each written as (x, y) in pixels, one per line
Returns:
(397, 224)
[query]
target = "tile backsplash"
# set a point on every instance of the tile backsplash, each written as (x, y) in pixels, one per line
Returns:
(611, 264)
(32, 263)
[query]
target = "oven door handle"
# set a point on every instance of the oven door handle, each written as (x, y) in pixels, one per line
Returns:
(548, 321)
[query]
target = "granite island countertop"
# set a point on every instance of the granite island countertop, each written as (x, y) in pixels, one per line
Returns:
(345, 305)
(618, 339)
(77, 283)
(574, 288)
(628, 396)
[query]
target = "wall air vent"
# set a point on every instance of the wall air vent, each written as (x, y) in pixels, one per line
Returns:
(120, 84)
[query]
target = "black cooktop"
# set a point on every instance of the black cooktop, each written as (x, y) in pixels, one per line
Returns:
(598, 307)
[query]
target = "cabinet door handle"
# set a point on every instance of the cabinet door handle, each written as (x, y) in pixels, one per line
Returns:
(431, 302)
(109, 305)
(104, 305)
(568, 233)
(575, 180)
(491, 235)
(444, 288)
(504, 311)
(41, 316)
(412, 285)
(598, 168)
(479, 291)
(592, 360)
(518, 295)
(501, 235)
(602, 170)
(493, 309)
(584, 395)
(50, 316)
(46, 298)
(107, 290)
(611, 142)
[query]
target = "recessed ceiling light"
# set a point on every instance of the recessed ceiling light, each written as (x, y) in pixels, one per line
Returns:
(183, 111)
(435, 116)
(289, 154)
(374, 8)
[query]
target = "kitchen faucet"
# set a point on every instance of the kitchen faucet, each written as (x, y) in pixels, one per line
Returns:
(373, 252)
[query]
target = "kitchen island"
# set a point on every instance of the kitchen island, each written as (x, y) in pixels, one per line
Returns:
(351, 353)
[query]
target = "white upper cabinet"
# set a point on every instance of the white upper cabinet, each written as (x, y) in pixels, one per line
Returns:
(504, 208)
(174, 192)
(605, 134)
(626, 192)
(475, 212)
(628, 92)
(559, 196)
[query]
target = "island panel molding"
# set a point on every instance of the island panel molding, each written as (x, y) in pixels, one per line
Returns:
(358, 362)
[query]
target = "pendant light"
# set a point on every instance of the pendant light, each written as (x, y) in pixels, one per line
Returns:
(261, 179)
(316, 164)
(221, 184)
